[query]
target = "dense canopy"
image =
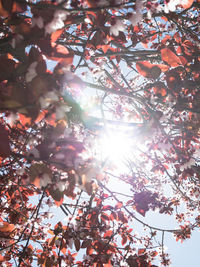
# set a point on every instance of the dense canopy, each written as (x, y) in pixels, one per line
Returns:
(99, 126)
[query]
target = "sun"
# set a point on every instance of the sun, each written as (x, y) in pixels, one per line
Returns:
(116, 145)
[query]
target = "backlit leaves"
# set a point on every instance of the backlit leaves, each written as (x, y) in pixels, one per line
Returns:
(150, 71)
(6, 227)
(187, 3)
(48, 139)
(170, 57)
(40, 174)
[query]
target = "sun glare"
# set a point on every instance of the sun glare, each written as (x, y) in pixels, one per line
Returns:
(116, 146)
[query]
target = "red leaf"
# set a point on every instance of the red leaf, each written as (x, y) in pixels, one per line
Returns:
(105, 48)
(141, 251)
(113, 216)
(86, 243)
(60, 52)
(3, 12)
(4, 142)
(62, 64)
(19, 7)
(124, 240)
(89, 250)
(25, 121)
(186, 4)
(77, 244)
(179, 50)
(177, 37)
(141, 211)
(163, 67)
(55, 35)
(2, 258)
(107, 207)
(173, 79)
(160, 89)
(7, 5)
(122, 217)
(118, 205)
(51, 241)
(170, 58)
(148, 70)
(58, 203)
(6, 227)
(108, 234)
(105, 217)
(183, 60)
(129, 202)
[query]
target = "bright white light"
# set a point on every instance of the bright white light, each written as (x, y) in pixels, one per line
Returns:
(116, 146)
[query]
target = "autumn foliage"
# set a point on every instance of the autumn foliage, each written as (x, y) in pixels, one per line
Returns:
(138, 65)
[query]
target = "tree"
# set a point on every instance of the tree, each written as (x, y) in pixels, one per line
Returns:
(142, 57)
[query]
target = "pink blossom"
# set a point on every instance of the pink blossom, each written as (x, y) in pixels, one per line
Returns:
(38, 22)
(45, 180)
(16, 40)
(117, 27)
(48, 99)
(34, 152)
(31, 73)
(57, 22)
(172, 4)
(70, 243)
(61, 185)
(61, 111)
(136, 17)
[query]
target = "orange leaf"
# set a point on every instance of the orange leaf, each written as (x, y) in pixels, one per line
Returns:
(89, 250)
(60, 52)
(6, 227)
(2, 258)
(36, 182)
(163, 67)
(186, 4)
(61, 49)
(164, 18)
(5, 7)
(58, 203)
(160, 89)
(141, 251)
(145, 45)
(40, 116)
(24, 120)
(170, 58)
(55, 35)
(19, 7)
(108, 233)
(105, 48)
